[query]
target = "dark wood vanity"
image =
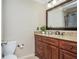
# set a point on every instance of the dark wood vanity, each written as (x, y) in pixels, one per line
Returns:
(47, 47)
(54, 48)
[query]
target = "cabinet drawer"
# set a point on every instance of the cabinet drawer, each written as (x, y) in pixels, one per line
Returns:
(51, 41)
(70, 46)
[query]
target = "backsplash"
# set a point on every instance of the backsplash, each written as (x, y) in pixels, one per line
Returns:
(65, 32)
(68, 33)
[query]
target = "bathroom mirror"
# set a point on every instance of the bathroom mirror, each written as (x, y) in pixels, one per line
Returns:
(63, 17)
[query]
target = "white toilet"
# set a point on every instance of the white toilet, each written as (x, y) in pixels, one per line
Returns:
(9, 49)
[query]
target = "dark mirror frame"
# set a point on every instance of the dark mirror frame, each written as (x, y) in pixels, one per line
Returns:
(51, 28)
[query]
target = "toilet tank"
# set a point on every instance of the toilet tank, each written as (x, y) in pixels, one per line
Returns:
(9, 48)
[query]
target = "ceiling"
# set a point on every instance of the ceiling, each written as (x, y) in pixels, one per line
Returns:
(42, 1)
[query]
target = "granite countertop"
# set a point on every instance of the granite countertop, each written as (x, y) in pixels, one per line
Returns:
(61, 37)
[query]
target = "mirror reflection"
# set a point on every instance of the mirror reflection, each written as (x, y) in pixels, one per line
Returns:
(64, 16)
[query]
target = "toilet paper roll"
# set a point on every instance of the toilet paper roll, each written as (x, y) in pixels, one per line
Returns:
(21, 46)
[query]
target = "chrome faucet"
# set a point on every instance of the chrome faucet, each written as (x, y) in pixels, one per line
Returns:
(57, 33)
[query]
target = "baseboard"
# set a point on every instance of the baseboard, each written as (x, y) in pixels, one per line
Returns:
(24, 57)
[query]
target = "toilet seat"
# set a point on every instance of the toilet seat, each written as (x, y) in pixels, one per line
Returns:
(10, 57)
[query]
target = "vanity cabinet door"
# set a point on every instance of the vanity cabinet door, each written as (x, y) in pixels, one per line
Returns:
(67, 55)
(54, 52)
(43, 50)
(50, 52)
(40, 50)
(47, 52)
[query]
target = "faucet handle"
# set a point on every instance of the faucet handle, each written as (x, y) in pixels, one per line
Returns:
(62, 33)
(57, 33)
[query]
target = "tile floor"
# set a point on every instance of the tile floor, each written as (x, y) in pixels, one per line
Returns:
(33, 57)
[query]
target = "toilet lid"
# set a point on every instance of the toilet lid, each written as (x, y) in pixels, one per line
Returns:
(10, 57)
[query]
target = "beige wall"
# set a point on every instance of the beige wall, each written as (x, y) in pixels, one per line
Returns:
(19, 21)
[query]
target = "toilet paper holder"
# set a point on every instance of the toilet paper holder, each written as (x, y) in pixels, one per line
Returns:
(20, 45)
